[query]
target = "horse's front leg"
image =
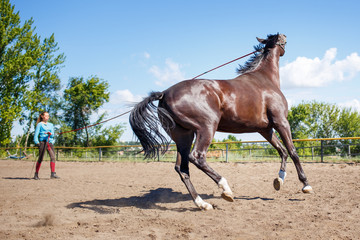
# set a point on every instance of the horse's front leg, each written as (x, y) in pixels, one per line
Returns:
(284, 131)
(271, 137)
(182, 168)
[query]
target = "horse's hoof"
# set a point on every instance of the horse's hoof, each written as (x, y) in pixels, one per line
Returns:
(307, 189)
(207, 207)
(227, 196)
(202, 204)
(278, 182)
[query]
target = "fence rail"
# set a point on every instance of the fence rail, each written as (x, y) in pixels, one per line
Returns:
(314, 150)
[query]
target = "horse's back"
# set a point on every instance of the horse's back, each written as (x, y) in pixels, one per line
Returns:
(236, 105)
(193, 103)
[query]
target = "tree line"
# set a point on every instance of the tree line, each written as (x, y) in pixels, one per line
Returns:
(323, 120)
(30, 84)
(311, 120)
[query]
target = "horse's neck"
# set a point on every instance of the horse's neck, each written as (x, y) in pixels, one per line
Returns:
(270, 66)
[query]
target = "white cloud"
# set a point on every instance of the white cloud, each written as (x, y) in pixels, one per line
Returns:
(171, 73)
(353, 104)
(120, 103)
(146, 55)
(123, 97)
(306, 72)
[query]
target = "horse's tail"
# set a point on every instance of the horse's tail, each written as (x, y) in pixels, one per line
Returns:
(145, 125)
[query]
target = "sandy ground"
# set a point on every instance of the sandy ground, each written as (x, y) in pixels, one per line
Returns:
(148, 201)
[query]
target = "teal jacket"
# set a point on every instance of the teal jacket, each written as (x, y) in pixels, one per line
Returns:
(41, 131)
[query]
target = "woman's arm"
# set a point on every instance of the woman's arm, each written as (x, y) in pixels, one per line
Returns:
(36, 134)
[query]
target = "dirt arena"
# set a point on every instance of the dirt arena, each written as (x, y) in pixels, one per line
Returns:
(107, 200)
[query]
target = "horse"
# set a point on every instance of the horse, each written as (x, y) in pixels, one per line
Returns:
(197, 108)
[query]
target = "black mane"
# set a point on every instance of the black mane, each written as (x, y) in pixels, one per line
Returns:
(262, 52)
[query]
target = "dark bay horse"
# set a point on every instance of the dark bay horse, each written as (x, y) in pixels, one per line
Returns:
(251, 102)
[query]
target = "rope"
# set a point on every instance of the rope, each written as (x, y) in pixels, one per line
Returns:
(48, 143)
(225, 64)
(74, 130)
(32, 167)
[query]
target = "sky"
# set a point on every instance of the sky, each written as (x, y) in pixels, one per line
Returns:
(140, 46)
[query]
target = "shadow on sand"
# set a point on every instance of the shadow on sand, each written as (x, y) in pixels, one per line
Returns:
(150, 200)
(253, 198)
(17, 178)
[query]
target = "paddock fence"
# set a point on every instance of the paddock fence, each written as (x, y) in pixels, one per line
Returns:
(309, 150)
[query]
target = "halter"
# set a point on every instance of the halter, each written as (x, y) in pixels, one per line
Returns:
(282, 45)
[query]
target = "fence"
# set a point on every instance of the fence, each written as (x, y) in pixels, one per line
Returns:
(313, 150)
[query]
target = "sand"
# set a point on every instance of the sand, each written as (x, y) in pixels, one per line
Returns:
(110, 200)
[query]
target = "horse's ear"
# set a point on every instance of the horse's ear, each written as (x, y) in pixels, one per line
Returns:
(263, 41)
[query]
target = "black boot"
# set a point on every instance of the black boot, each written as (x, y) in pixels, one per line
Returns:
(36, 176)
(53, 175)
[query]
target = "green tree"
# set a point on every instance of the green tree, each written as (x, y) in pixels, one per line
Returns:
(109, 136)
(43, 95)
(298, 120)
(231, 140)
(82, 98)
(314, 120)
(67, 138)
(19, 52)
(323, 120)
(105, 136)
(348, 125)
(233, 143)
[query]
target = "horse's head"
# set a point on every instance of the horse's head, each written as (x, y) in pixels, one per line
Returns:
(273, 41)
(263, 50)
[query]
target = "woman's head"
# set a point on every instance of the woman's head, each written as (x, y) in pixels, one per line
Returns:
(43, 117)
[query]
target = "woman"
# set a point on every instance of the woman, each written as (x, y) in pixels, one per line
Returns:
(44, 139)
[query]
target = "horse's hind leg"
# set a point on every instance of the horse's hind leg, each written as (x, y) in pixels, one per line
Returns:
(198, 158)
(183, 139)
(271, 137)
(285, 134)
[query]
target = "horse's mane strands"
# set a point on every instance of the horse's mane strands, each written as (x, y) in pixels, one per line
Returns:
(254, 61)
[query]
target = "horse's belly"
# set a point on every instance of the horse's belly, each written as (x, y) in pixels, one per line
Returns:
(235, 129)
(242, 126)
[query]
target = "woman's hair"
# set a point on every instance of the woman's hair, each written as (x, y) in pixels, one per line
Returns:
(41, 116)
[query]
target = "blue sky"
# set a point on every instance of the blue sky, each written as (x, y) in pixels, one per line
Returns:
(143, 46)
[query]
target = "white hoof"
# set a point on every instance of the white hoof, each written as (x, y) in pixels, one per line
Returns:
(202, 204)
(227, 193)
(282, 175)
(278, 182)
(307, 189)
(207, 206)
